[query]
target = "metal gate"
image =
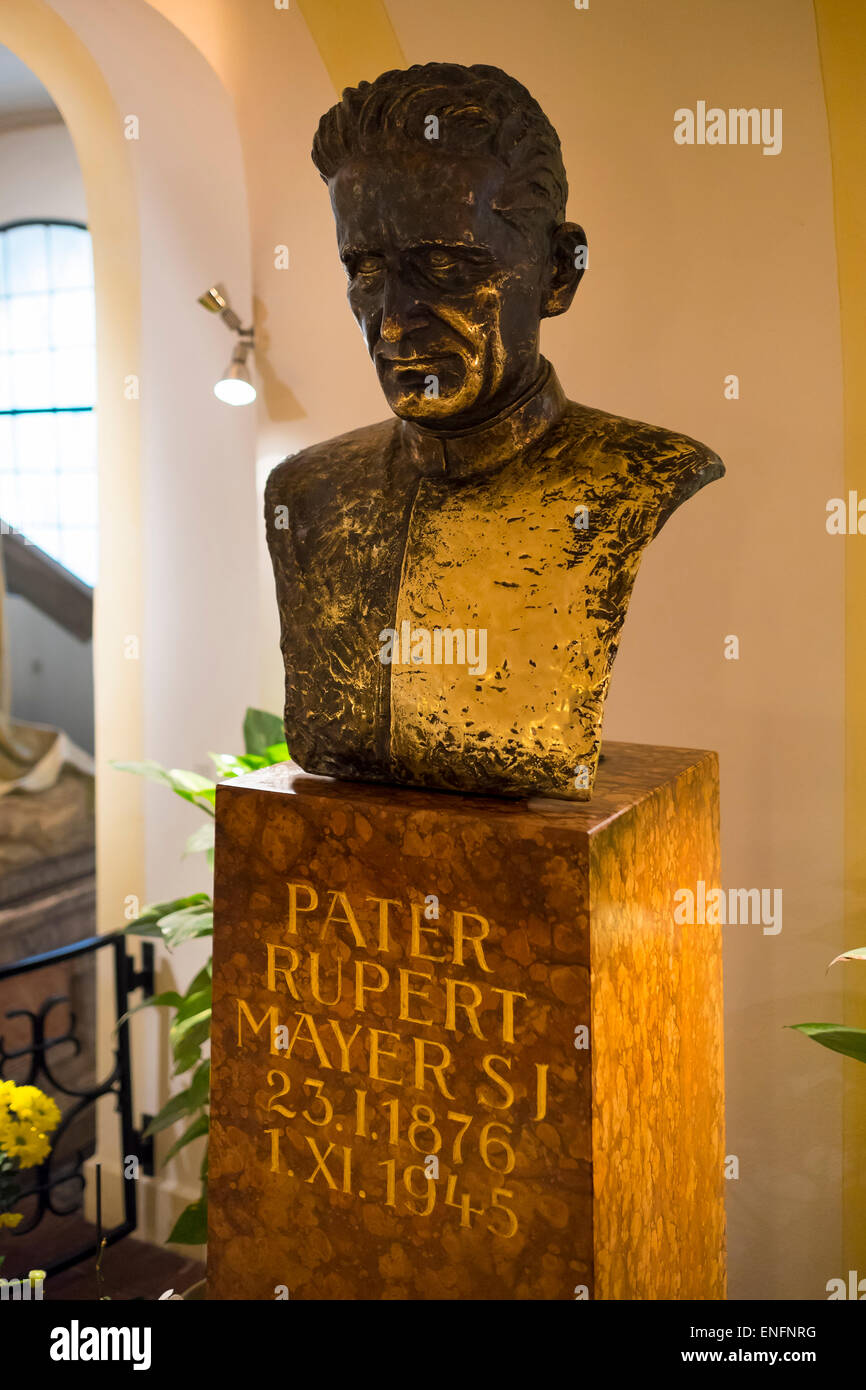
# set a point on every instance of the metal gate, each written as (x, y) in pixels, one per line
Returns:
(37, 1058)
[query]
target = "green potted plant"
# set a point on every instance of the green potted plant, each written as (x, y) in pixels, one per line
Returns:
(851, 1042)
(187, 919)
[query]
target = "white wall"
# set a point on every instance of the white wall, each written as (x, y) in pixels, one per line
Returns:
(52, 672)
(199, 513)
(39, 175)
(198, 521)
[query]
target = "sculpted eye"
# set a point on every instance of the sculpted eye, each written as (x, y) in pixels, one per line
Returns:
(456, 268)
(440, 262)
(365, 267)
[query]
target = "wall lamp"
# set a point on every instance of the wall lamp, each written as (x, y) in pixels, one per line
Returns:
(235, 386)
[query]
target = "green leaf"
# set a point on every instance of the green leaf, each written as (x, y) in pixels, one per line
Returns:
(10, 1188)
(198, 1127)
(147, 922)
(277, 752)
(201, 840)
(200, 1086)
(199, 791)
(191, 1226)
(859, 953)
(192, 929)
(202, 979)
(851, 1042)
(170, 999)
(203, 1170)
(230, 765)
(187, 924)
(205, 801)
(189, 785)
(251, 762)
(174, 1109)
(154, 772)
(192, 1003)
(186, 1056)
(261, 730)
(190, 781)
(226, 764)
(186, 1046)
(145, 929)
(192, 1032)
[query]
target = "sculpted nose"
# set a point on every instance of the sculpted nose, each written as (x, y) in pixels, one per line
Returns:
(401, 310)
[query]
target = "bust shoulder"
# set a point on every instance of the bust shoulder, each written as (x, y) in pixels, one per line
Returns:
(321, 469)
(649, 462)
(653, 449)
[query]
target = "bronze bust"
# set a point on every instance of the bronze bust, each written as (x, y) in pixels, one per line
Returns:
(452, 582)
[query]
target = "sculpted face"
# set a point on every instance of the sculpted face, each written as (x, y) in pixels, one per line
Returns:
(447, 293)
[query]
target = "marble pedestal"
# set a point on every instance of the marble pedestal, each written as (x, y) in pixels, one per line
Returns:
(461, 1049)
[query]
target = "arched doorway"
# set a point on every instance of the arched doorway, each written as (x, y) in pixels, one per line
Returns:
(166, 207)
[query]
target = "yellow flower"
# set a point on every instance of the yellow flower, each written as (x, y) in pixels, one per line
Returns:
(29, 1103)
(8, 1127)
(6, 1089)
(10, 1218)
(23, 1141)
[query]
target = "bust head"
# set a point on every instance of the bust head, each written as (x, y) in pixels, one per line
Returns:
(449, 193)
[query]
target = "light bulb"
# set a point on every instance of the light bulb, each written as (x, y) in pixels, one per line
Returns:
(235, 386)
(233, 390)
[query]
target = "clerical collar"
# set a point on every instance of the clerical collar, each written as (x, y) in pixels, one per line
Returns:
(461, 453)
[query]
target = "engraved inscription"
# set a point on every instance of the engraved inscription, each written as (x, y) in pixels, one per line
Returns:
(373, 1004)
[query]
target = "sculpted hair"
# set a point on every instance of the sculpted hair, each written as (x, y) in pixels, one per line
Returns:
(480, 111)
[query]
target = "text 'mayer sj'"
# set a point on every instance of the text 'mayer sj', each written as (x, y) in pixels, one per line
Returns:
(452, 582)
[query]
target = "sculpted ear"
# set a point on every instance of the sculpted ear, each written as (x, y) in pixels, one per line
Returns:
(568, 262)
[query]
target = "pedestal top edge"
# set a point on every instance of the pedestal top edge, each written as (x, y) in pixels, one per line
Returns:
(627, 774)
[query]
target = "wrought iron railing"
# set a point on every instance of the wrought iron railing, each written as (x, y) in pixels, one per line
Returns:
(37, 1059)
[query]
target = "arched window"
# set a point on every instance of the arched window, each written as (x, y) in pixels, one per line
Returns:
(48, 391)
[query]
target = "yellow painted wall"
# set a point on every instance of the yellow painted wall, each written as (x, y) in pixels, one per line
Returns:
(842, 42)
(355, 38)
